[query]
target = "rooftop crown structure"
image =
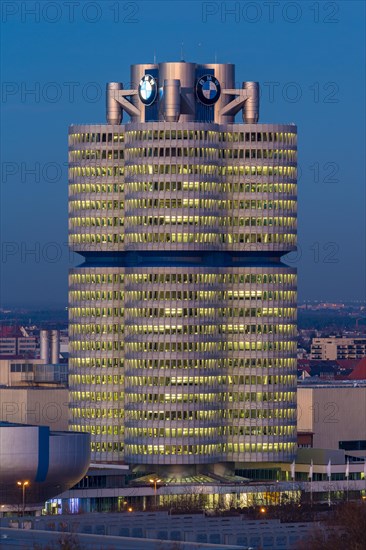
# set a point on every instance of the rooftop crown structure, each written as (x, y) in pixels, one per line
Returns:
(182, 316)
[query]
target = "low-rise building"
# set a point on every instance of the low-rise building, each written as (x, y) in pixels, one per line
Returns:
(37, 463)
(15, 341)
(39, 405)
(334, 412)
(338, 348)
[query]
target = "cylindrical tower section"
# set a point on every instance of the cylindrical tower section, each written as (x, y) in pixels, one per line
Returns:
(137, 73)
(55, 346)
(114, 109)
(251, 106)
(185, 73)
(171, 103)
(96, 358)
(44, 338)
(96, 188)
(225, 74)
(259, 324)
(259, 212)
(172, 187)
(174, 368)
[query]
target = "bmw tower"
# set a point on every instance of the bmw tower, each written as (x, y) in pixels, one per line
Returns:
(182, 316)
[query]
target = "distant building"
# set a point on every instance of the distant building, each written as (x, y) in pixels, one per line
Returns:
(334, 412)
(15, 341)
(338, 348)
(33, 391)
(23, 372)
(39, 405)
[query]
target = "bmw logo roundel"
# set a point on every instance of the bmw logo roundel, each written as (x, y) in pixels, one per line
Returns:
(148, 89)
(208, 89)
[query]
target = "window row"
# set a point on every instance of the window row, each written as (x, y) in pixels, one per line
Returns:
(96, 154)
(96, 222)
(98, 412)
(159, 152)
(238, 431)
(92, 137)
(258, 397)
(209, 135)
(166, 398)
(96, 362)
(211, 169)
(230, 414)
(96, 205)
(192, 330)
(96, 346)
(106, 447)
(96, 379)
(95, 171)
(75, 188)
(200, 238)
(237, 294)
(220, 380)
(201, 186)
(174, 203)
(259, 414)
(172, 347)
(183, 278)
(201, 221)
(206, 364)
(144, 450)
(96, 295)
(160, 313)
(139, 135)
(75, 329)
(96, 396)
(172, 432)
(191, 152)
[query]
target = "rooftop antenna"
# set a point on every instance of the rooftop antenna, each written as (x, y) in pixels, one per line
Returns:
(154, 57)
(181, 52)
(215, 57)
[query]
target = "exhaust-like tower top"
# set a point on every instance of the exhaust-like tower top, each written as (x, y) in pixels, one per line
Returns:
(184, 92)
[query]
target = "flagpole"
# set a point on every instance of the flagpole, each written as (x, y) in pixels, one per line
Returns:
(293, 466)
(311, 491)
(329, 472)
(311, 482)
(347, 476)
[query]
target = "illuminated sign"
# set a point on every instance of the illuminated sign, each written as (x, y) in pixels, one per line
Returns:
(147, 89)
(208, 89)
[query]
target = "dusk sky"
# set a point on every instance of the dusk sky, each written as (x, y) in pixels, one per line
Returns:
(55, 61)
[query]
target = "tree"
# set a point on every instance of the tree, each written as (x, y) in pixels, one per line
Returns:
(344, 529)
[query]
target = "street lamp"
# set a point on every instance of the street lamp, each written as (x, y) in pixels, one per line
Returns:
(23, 485)
(155, 481)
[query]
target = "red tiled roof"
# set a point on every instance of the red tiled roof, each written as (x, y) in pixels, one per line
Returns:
(348, 363)
(359, 372)
(7, 331)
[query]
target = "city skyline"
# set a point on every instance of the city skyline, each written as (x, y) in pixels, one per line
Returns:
(306, 84)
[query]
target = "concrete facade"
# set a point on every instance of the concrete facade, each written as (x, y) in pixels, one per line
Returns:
(334, 412)
(35, 405)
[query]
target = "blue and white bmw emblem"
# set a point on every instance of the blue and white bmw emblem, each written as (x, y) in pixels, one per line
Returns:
(148, 89)
(208, 89)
